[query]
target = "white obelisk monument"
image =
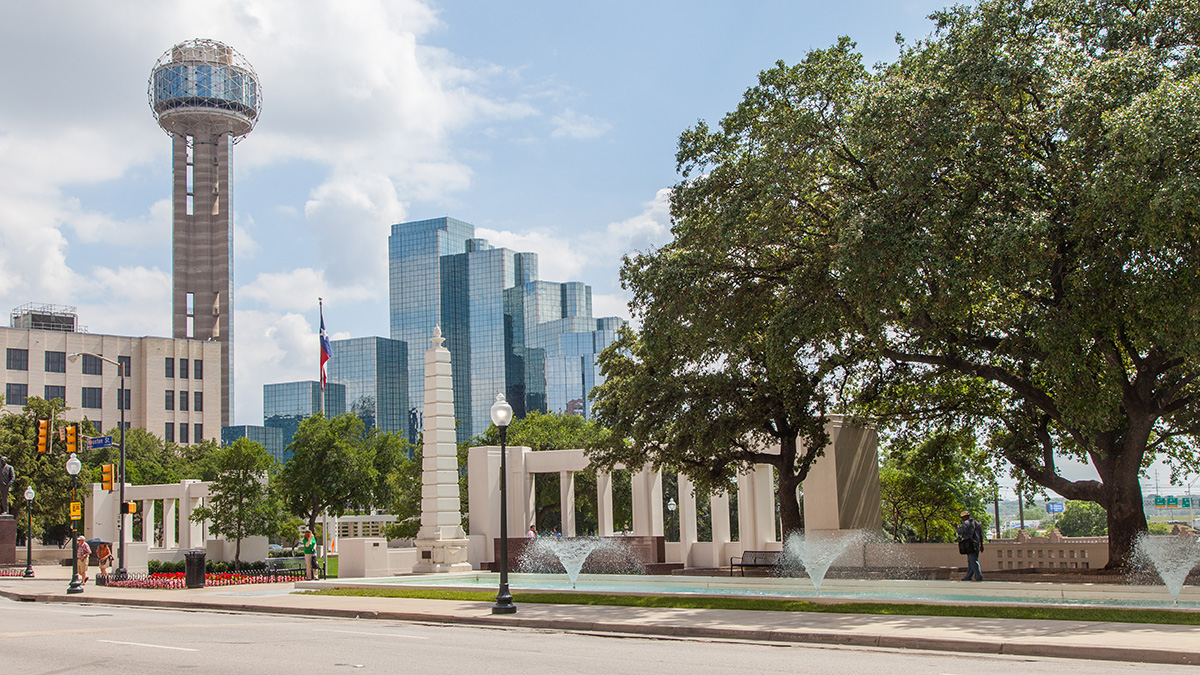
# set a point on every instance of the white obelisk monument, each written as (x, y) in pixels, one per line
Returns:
(441, 542)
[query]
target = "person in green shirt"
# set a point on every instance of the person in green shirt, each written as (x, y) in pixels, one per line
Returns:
(310, 554)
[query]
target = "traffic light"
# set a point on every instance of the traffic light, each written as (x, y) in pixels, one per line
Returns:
(72, 439)
(128, 507)
(43, 436)
(106, 476)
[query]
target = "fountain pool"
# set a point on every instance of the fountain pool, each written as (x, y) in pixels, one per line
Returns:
(833, 590)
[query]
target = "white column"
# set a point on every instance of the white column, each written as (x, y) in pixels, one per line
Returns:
(756, 508)
(604, 503)
(147, 507)
(688, 530)
(168, 523)
(718, 505)
(647, 502)
(566, 501)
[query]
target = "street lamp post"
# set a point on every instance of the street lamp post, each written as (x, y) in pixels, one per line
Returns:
(76, 586)
(501, 416)
(671, 506)
(29, 494)
(120, 572)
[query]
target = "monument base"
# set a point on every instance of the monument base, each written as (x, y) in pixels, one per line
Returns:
(441, 556)
(8, 540)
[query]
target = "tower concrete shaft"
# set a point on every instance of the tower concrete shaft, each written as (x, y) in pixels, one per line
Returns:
(202, 297)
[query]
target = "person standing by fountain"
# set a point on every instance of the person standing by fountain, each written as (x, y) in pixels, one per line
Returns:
(970, 542)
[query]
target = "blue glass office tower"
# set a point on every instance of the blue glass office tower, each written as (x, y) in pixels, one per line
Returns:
(536, 341)
(271, 438)
(374, 372)
(285, 404)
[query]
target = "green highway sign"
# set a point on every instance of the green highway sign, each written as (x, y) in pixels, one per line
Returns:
(1172, 502)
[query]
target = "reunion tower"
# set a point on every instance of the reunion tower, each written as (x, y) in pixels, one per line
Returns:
(206, 96)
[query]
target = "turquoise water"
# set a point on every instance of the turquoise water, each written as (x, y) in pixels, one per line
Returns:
(951, 592)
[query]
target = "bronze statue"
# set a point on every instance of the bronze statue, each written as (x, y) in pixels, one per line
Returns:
(7, 476)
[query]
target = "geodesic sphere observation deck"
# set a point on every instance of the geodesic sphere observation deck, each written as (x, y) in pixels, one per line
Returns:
(204, 86)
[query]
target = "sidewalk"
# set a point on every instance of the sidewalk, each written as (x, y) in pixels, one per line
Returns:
(1064, 639)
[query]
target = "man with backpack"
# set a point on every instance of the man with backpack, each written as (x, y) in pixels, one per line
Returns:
(970, 542)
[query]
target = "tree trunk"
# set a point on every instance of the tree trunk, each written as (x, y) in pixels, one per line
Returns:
(790, 518)
(1126, 518)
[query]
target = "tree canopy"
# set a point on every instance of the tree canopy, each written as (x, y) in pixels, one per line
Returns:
(1005, 217)
(336, 467)
(240, 503)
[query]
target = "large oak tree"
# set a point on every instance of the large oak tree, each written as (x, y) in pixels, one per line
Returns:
(1011, 217)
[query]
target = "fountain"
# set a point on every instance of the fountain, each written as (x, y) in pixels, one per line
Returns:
(1173, 557)
(541, 554)
(815, 552)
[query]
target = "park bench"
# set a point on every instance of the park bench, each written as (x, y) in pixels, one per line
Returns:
(292, 564)
(753, 559)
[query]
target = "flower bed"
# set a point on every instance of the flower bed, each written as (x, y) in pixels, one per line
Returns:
(12, 571)
(178, 579)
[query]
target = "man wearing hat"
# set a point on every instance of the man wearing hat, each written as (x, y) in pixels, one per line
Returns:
(970, 542)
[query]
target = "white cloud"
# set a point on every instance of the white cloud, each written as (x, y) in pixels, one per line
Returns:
(298, 290)
(596, 254)
(611, 304)
(648, 229)
(577, 126)
(350, 216)
(271, 347)
(244, 244)
(556, 260)
(126, 301)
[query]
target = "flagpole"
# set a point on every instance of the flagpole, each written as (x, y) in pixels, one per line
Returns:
(320, 346)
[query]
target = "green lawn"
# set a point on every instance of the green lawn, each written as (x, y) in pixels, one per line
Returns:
(1124, 615)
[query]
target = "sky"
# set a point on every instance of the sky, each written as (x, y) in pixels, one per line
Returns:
(550, 126)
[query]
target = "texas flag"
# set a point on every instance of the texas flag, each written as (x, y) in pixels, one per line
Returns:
(326, 349)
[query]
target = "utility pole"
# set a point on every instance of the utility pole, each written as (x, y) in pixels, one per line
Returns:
(997, 503)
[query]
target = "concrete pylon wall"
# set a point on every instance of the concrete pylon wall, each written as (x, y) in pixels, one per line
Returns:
(842, 488)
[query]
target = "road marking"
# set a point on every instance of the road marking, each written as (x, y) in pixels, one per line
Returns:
(142, 644)
(359, 632)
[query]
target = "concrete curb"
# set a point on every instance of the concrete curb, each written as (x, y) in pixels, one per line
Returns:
(970, 646)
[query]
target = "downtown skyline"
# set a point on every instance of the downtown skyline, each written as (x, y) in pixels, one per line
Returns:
(551, 128)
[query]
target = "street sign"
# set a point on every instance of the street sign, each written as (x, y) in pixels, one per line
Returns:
(76, 510)
(100, 442)
(1159, 502)
(1055, 507)
(1172, 502)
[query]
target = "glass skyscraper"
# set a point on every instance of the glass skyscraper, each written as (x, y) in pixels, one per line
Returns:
(286, 404)
(271, 438)
(535, 341)
(374, 372)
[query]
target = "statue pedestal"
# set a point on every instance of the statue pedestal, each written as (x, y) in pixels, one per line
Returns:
(441, 551)
(8, 540)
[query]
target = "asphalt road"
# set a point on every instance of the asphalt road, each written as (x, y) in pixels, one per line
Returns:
(38, 638)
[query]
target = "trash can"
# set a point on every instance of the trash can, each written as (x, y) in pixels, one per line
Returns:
(193, 568)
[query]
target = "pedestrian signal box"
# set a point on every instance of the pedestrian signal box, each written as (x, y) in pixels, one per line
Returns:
(129, 507)
(43, 436)
(106, 476)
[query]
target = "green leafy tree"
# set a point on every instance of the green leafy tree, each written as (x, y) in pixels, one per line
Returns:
(46, 472)
(332, 469)
(1082, 519)
(240, 504)
(925, 485)
(743, 342)
(1010, 207)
